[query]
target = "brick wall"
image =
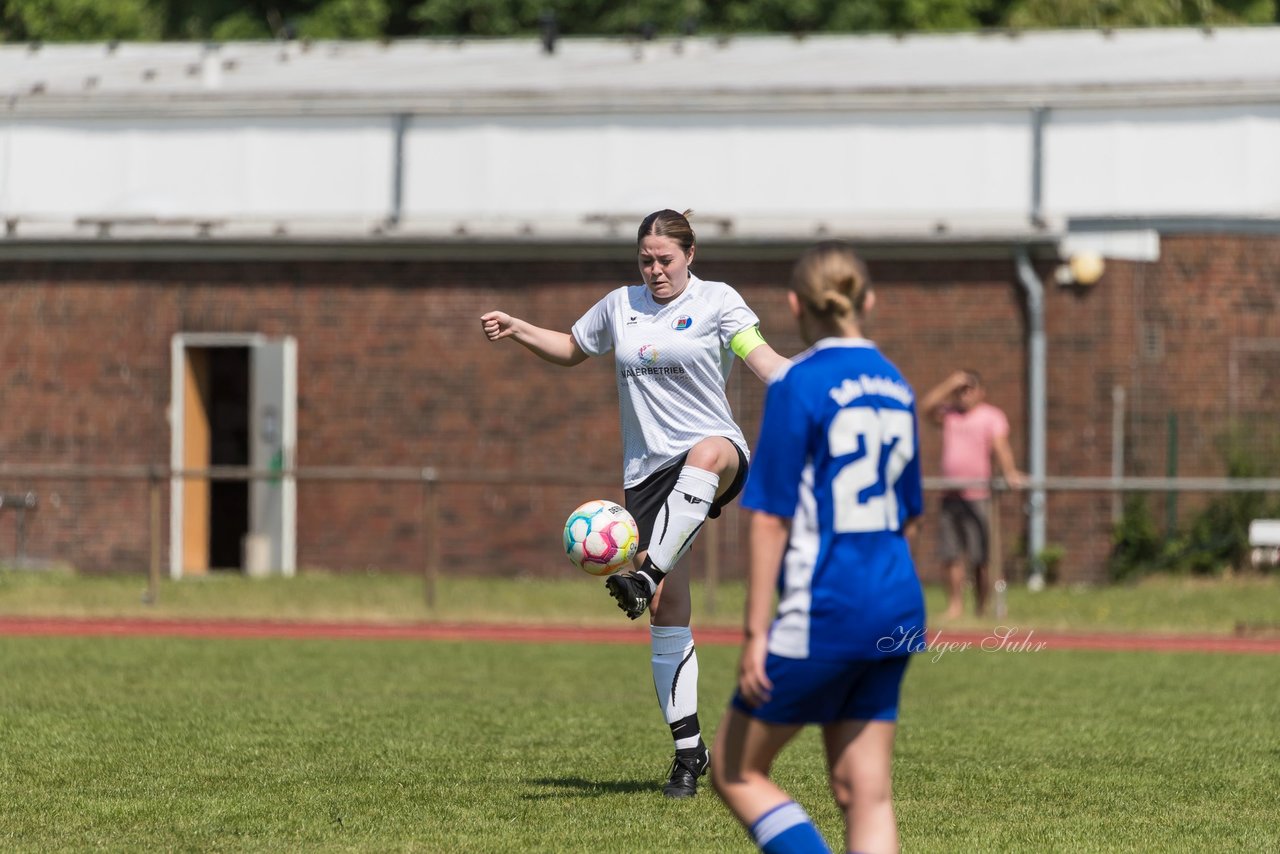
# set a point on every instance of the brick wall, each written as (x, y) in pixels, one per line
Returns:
(393, 370)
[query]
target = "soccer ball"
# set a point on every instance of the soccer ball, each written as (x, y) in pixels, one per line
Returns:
(600, 537)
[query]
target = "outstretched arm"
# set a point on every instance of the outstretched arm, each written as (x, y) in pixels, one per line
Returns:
(749, 346)
(558, 348)
(768, 538)
(933, 401)
(1004, 456)
(764, 362)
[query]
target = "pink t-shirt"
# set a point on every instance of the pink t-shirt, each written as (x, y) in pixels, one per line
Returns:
(967, 442)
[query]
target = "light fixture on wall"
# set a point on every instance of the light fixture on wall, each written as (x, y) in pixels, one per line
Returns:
(1083, 268)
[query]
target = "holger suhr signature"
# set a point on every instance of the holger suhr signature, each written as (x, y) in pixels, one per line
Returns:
(1001, 639)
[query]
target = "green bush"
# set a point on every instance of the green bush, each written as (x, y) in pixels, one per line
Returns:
(1050, 558)
(1214, 540)
(1136, 545)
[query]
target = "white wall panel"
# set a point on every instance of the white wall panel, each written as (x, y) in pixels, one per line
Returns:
(879, 166)
(6, 131)
(189, 167)
(1213, 160)
(786, 165)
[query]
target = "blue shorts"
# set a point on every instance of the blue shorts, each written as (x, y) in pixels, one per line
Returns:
(806, 691)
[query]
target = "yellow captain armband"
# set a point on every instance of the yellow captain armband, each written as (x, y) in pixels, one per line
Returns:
(746, 341)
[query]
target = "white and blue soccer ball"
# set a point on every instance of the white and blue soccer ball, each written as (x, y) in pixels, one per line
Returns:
(601, 537)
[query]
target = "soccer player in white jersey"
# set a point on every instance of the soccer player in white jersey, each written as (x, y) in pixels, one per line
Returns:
(674, 339)
(834, 487)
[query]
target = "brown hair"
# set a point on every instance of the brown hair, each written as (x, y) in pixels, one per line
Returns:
(668, 223)
(831, 280)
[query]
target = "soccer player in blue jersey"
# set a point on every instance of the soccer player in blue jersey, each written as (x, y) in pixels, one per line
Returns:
(833, 489)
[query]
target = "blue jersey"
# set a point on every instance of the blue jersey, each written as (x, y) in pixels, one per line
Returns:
(838, 456)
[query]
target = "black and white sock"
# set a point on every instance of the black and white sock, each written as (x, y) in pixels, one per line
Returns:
(675, 676)
(678, 522)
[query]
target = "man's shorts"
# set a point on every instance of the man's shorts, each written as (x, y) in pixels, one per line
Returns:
(806, 691)
(963, 530)
(646, 498)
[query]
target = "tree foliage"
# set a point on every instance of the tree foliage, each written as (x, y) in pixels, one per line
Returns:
(346, 19)
(80, 20)
(1138, 13)
(145, 20)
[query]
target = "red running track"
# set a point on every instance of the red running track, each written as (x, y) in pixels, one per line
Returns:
(937, 640)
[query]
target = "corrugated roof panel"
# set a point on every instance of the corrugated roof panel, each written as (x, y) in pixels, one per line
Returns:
(1048, 64)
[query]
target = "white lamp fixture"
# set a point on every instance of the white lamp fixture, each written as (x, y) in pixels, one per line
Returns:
(1082, 268)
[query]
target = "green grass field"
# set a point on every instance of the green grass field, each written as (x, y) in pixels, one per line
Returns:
(1158, 604)
(133, 744)
(126, 744)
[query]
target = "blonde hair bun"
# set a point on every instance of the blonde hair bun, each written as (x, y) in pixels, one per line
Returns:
(831, 280)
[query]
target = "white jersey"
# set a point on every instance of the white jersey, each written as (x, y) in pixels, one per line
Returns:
(672, 361)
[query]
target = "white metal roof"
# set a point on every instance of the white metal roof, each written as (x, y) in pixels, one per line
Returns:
(1065, 68)
(937, 139)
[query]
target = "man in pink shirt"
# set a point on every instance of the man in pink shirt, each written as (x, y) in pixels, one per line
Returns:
(972, 432)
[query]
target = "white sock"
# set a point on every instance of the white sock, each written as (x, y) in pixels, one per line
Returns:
(675, 676)
(681, 516)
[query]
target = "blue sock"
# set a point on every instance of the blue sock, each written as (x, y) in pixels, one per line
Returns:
(787, 829)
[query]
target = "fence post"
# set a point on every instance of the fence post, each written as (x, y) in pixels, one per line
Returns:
(1171, 472)
(431, 534)
(20, 529)
(152, 596)
(1117, 450)
(995, 558)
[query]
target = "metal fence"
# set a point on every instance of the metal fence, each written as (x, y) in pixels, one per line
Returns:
(1082, 512)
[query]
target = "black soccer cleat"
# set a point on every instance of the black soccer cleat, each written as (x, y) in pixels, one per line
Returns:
(631, 591)
(686, 768)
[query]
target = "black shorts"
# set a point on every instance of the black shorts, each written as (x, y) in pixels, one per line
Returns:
(963, 530)
(646, 498)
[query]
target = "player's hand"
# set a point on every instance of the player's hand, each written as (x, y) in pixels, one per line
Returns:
(753, 682)
(497, 325)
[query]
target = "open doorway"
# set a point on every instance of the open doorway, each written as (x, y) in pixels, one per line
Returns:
(215, 432)
(228, 446)
(234, 404)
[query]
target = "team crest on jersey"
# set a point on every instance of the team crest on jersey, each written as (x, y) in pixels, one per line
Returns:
(649, 354)
(682, 322)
